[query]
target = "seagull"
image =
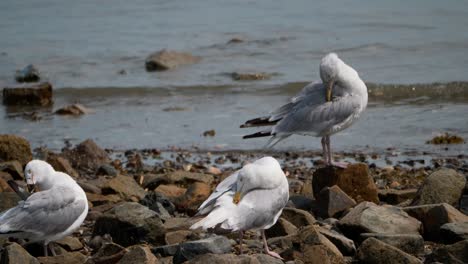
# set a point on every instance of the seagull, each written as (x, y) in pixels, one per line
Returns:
(57, 208)
(321, 109)
(252, 198)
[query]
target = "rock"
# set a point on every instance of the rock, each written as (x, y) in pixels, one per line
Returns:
(355, 181)
(37, 94)
(166, 60)
(209, 133)
(374, 251)
(91, 187)
(193, 197)
(74, 110)
(281, 228)
(316, 248)
(332, 201)
(301, 202)
(66, 257)
(451, 254)
(70, 243)
(168, 250)
(393, 196)
(16, 254)
(179, 223)
(454, 232)
(108, 253)
(433, 216)
(186, 178)
(87, 156)
(8, 200)
(61, 164)
(158, 203)
(138, 254)
(4, 187)
(411, 244)
(13, 168)
(250, 76)
(176, 237)
(344, 244)
(131, 223)
(234, 259)
(28, 74)
(15, 148)
(213, 170)
(298, 217)
(99, 199)
(107, 170)
(214, 244)
(446, 138)
(125, 186)
(442, 186)
(170, 191)
(98, 241)
(368, 217)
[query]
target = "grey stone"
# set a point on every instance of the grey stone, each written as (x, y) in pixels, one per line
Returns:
(411, 244)
(36, 94)
(332, 201)
(16, 254)
(454, 232)
(234, 259)
(374, 251)
(298, 217)
(451, 254)
(28, 74)
(214, 244)
(166, 60)
(344, 244)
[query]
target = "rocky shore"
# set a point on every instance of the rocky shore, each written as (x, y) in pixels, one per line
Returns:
(142, 203)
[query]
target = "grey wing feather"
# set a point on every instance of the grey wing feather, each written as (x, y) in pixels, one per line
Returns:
(226, 185)
(46, 212)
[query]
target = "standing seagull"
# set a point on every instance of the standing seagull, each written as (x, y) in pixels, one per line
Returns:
(251, 198)
(54, 212)
(321, 109)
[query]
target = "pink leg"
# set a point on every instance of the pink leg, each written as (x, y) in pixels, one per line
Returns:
(343, 165)
(324, 149)
(241, 234)
(267, 250)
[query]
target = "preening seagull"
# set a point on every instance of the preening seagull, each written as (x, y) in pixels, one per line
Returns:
(251, 198)
(54, 212)
(321, 109)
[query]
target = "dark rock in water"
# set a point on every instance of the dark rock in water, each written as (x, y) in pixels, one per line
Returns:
(129, 224)
(139, 254)
(191, 249)
(355, 181)
(39, 94)
(374, 251)
(451, 254)
(332, 201)
(446, 138)
(234, 259)
(454, 232)
(15, 148)
(316, 248)
(87, 156)
(66, 257)
(209, 133)
(344, 244)
(61, 164)
(166, 60)
(108, 253)
(106, 170)
(442, 186)
(159, 203)
(281, 228)
(250, 76)
(297, 217)
(28, 74)
(74, 110)
(393, 196)
(368, 217)
(13, 168)
(411, 244)
(16, 254)
(433, 216)
(8, 200)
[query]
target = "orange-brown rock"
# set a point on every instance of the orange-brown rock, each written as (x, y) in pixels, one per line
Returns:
(170, 190)
(13, 147)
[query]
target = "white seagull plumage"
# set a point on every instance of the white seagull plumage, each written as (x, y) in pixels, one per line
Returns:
(54, 212)
(263, 192)
(321, 109)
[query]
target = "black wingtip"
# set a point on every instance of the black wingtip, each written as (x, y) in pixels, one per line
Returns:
(258, 134)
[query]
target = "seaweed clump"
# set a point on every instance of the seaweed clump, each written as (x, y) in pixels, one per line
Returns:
(446, 138)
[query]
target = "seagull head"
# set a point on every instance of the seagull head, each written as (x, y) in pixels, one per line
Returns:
(37, 173)
(329, 72)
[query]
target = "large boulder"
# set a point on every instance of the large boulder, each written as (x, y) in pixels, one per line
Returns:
(191, 249)
(129, 224)
(87, 156)
(409, 243)
(234, 259)
(37, 94)
(451, 254)
(166, 60)
(374, 251)
(442, 186)
(355, 181)
(28, 74)
(333, 201)
(15, 148)
(433, 216)
(368, 217)
(16, 254)
(454, 232)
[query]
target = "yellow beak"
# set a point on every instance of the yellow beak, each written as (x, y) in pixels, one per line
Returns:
(329, 90)
(237, 198)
